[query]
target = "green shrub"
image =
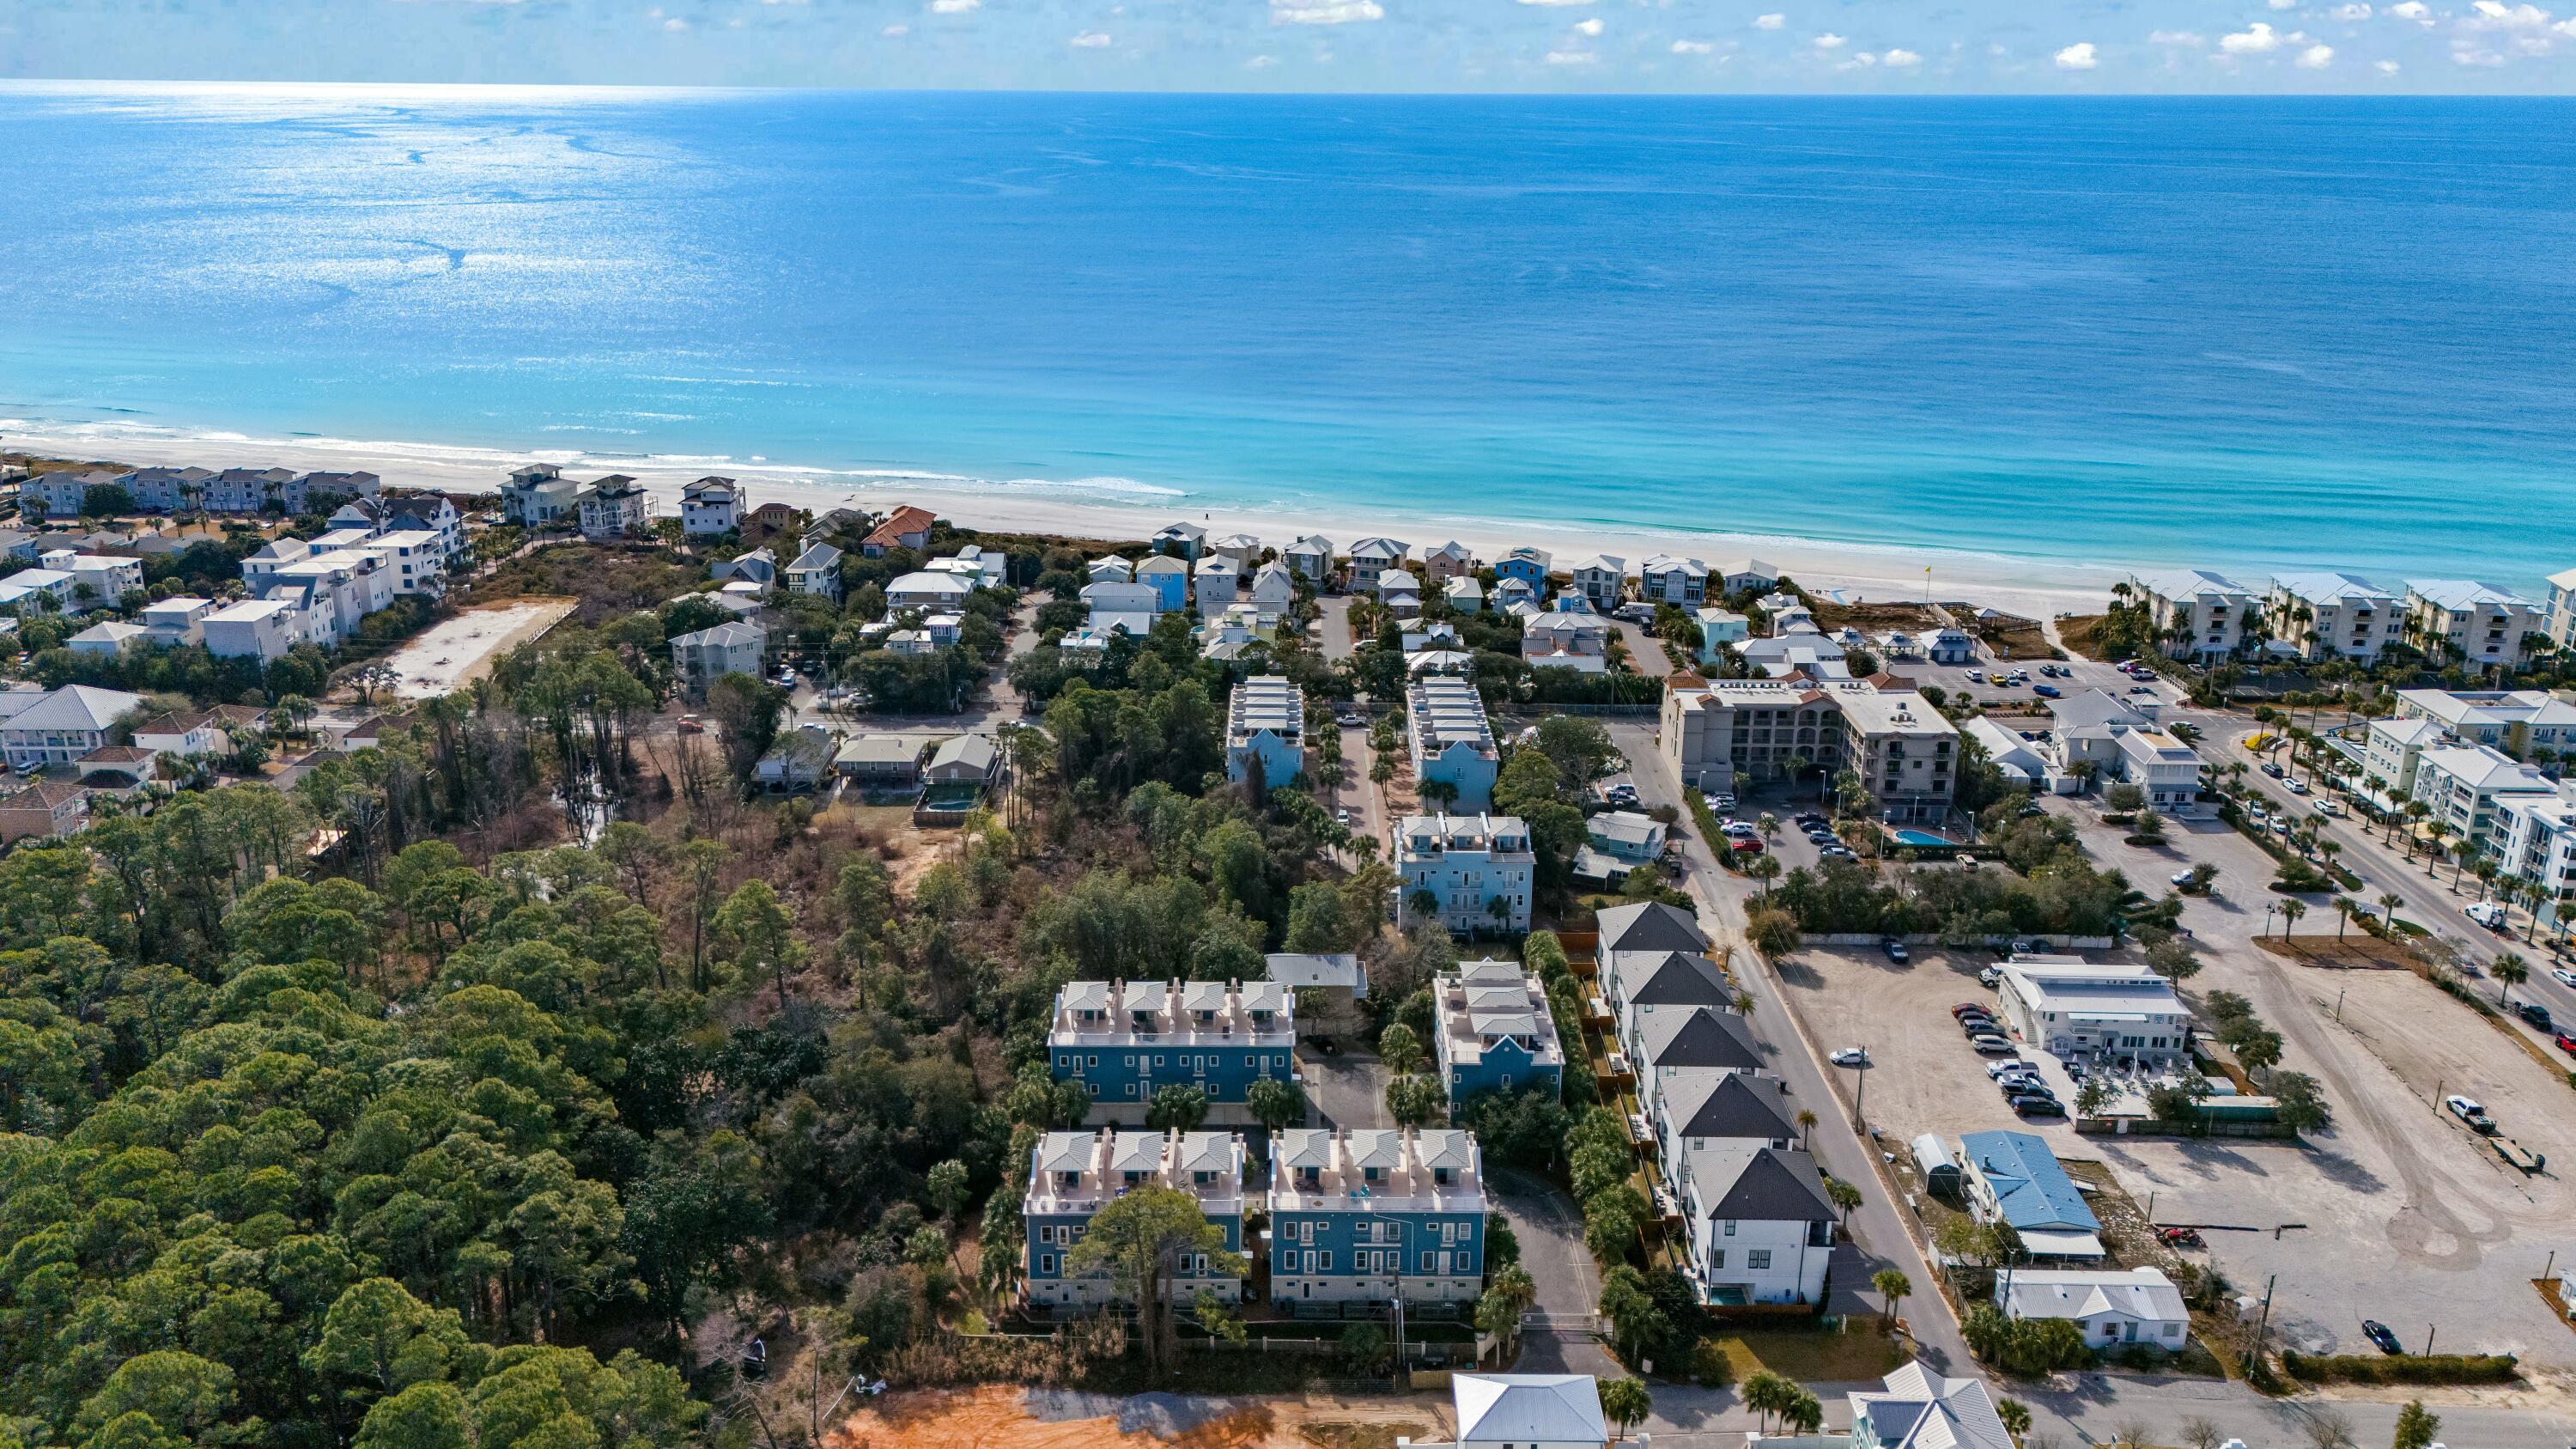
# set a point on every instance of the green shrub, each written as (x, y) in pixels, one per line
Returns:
(2402, 1368)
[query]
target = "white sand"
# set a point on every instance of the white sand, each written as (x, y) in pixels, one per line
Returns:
(454, 651)
(2038, 588)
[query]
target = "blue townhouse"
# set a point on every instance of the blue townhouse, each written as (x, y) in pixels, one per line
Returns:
(1126, 1040)
(1358, 1217)
(1493, 1032)
(1073, 1175)
(1527, 564)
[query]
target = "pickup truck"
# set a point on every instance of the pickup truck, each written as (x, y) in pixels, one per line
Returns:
(2469, 1112)
(2516, 1155)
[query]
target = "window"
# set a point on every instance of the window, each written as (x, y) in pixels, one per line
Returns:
(1046, 1263)
(1757, 1259)
(1717, 1258)
(1326, 1256)
(1730, 1227)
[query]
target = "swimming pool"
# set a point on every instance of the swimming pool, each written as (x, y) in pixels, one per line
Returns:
(1918, 837)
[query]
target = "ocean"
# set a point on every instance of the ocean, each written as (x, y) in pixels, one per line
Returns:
(2243, 333)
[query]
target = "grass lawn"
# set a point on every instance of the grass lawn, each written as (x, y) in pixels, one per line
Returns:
(1807, 1356)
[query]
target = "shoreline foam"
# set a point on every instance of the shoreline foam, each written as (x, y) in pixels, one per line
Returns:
(1113, 508)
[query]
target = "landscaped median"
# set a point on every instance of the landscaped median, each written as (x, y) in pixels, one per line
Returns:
(2401, 1368)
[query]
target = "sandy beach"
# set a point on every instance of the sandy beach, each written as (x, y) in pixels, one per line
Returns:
(1116, 509)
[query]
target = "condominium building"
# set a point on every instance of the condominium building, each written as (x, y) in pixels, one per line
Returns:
(2534, 840)
(613, 507)
(2520, 722)
(2469, 623)
(2390, 749)
(2560, 620)
(1492, 1031)
(2323, 616)
(1073, 1175)
(1265, 725)
(540, 496)
(1125, 1040)
(1905, 751)
(2463, 785)
(262, 629)
(1363, 1217)
(1478, 868)
(1452, 741)
(2197, 613)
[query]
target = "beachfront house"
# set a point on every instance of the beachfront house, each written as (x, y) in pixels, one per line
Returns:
(907, 527)
(1475, 870)
(2321, 616)
(614, 507)
(1358, 1217)
(711, 506)
(1602, 578)
(2558, 620)
(1371, 557)
(540, 496)
(1311, 557)
(1243, 548)
(1449, 561)
(1492, 1031)
(2465, 622)
(1182, 540)
(1528, 564)
(1111, 569)
(1669, 579)
(1748, 576)
(1073, 1175)
(1215, 582)
(1265, 732)
(1126, 1040)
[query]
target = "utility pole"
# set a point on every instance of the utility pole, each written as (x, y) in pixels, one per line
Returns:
(2254, 1355)
(1860, 1095)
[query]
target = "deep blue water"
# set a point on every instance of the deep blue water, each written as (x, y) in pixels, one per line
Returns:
(2224, 331)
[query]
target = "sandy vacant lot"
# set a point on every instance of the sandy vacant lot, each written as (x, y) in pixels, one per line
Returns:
(454, 651)
(1001, 1417)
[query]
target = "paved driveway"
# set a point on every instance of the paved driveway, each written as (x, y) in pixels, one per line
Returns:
(1347, 1089)
(1550, 1229)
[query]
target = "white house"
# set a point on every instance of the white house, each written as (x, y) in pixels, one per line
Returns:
(2560, 619)
(540, 496)
(1215, 582)
(109, 639)
(1921, 1409)
(1761, 1229)
(1131, 607)
(710, 506)
(817, 571)
(613, 507)
(257, 628)
(1559, 639)
(1744, 576)
(2463, 785)
(1112, 569)
(1528, 1411)
(2071, 1008)
(930, 589)
(1272, 591)
(2114, 1310)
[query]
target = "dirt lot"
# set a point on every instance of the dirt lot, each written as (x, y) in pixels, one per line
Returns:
(999, 1417)
(455, 651)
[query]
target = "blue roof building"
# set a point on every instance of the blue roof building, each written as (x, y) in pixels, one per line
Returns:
(2014, 1177)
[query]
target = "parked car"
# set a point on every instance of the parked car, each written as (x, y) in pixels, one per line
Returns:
(2377, 1332)
(1747, 844)
(2298, 787)
(1352, 721)
(2038, 1107)
(2565, 976)
(1721, 802)
(1836, 852)
(1851, 1057)
(1895, 950)
(1976, 676)
(2141, 689)
(2180, 880)
(2047, 691)
(2566, 1042)
(1991, 1046)
(1990, 975)
(1976, 1022)
(2330, 807)
(2469, 1112)
(2535, 1013)
(2273, 769)
(1966, 1009)
(2022, 946)
(2000, 1070)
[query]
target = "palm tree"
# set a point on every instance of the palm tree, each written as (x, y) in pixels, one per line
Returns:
(1764, 868)
(2290, 913)
(2389, 902)
(2344, 906)
(1806, 1125)
(2510, 971)
(1893, 1288)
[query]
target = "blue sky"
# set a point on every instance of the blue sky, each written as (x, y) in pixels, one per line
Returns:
(1861, 46)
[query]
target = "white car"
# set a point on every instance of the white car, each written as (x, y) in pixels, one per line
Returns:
(2330, 807)
(2565, 976)
(2298, 787)
(1852, 1057)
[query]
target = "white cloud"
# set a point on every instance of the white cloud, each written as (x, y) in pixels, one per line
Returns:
(1261, 62)
(2252, 40)
(2415, 10)
(2493, 15)
(1589, 27)
(2469, 52)
(954, 7)
(1089, 40)
(1692, 47)
(2316, 57)
(1571, 57)
(2386, 67)
(1829, 41)
(675, 24)
(2176, 37)
(1861, 60)
(1334, 12)
(896, 31)
(2355, 11)
(1770, 22)
(1901, 59)
(2566, 27)
(2285, 4)
(2078, 56)
(1556, 2)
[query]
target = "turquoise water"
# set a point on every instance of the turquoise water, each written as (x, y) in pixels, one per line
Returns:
(1919, 837)
(2240, 332)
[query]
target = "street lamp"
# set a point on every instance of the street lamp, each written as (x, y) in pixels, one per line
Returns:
(1860, 1094)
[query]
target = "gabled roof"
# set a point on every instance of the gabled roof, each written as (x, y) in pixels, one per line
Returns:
(1653, 926)
(2031, 1190)
(1920, 1409)
(1698, 1038)
(1676, 978)
(76, 707)
(1756, 1182)
(1726, 1104)
(1532, 1408)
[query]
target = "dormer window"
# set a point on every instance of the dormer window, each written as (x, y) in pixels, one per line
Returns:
(1368, 1174)
(1440, 1175)
(1309, 1176)
(1067, 1179)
